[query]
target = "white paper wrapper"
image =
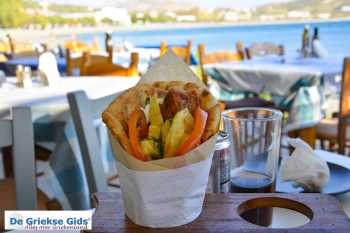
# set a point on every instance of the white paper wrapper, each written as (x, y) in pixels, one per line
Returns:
(167, 192)
(164, 198)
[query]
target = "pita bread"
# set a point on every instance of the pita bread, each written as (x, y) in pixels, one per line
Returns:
(118, 112)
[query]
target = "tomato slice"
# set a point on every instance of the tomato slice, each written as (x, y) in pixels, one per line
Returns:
(200, 120)
(134, 119)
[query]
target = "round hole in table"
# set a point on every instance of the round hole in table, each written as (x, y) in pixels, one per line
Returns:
(273, 212)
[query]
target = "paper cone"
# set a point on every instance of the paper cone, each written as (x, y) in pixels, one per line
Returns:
(166, 192)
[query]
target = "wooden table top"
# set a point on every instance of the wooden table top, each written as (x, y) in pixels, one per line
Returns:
(220, 215)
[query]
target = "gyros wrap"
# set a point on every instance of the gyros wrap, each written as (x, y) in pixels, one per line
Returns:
(163, 133)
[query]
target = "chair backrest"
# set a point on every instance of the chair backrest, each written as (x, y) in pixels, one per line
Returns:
(84, 111)
(183, 52)
(264, 49)
(18, 49)
(103, 66)
(77, 46)
(216, 57)
(78, 61)
(344, 106)
(73, 62)
(6, 45)
(95, 59)
(18, 133)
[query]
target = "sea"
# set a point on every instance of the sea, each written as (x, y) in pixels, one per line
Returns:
(334, 35)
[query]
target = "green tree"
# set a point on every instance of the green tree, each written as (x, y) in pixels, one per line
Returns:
(107, 21)
(90, 21)
(41, 20)
(10, 13)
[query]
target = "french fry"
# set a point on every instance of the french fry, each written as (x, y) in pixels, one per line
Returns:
(213, 122)
(165, 130)
(154, 132)
(176, 133)
(151, 149)
(189, 121)
(155, 114)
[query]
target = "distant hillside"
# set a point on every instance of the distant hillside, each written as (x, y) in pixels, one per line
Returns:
(65, 8)
(313, 6)
(155, 11)
(147, 5)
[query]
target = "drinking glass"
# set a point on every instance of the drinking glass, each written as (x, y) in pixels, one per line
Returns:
(255, 143)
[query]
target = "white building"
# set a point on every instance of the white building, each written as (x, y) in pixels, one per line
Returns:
(299, 14)
(186, 18)
(76, 15)
(140, 15)
(45, 7)
(345, 8)
(118, 15)
(231, 16)
(30, 11)
(324, 15)
(267, 17)
(170, 14)
(245, 16)
(153, 14)
(247, 10)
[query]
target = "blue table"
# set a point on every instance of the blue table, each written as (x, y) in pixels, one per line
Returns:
(10, 65)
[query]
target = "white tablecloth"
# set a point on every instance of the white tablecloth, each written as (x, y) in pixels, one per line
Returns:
(95, 87)
(296, 84)
(272, 75)
(64, 178)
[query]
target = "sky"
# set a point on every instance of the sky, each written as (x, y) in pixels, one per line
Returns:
(204, 3)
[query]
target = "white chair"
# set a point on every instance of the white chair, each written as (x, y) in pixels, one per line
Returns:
(84, 111)
(2, 78)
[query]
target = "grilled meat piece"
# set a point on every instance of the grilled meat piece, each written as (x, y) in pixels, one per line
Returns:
(176, 100)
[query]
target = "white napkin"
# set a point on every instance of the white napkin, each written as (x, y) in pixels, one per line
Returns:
(48, 70)
(304, 168)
